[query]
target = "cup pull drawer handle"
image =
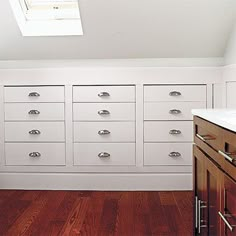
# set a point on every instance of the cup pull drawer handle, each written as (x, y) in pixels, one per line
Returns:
(227, 156)
(34, 132)
(35, 154)
(175, 112)
(175, 93)
(104, 155)
(104, 94)
(103, 132)
(34, 94)
(175, 154)
(103, 112)
(174, 132)
(223, 217)
(34, 112)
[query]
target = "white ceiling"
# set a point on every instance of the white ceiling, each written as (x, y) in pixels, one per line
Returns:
(129, 29)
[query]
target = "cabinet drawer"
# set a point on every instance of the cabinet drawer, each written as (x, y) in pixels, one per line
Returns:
(34, 94)
(104, 132)
(104, 93)
(104, 111)
(167, 154)
(43, 132)
(104, 154)
(34, 111)
(160, 131)
(35, 154)
(171, 110)
(172, 93)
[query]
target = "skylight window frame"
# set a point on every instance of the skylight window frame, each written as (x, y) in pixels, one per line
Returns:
(45, 27)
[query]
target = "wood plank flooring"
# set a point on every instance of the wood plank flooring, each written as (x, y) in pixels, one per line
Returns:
(95, 213)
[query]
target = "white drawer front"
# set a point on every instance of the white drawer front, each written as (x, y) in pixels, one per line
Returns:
(34, 111)
(104, 93)
(167, 154)
(104, 111)
(159, 131)
(171, 110)
(186, 93)
(49, 131)
(104, 132)
(104, 154)
(34, 94)
(35, 154)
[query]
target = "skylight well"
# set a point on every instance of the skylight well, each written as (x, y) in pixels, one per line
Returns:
(47, 17)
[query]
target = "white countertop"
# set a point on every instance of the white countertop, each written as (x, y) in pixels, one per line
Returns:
(225, 118)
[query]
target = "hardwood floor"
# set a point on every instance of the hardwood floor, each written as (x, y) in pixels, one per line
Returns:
(95, 213)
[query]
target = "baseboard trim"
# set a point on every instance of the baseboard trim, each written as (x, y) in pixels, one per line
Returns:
(100, 182)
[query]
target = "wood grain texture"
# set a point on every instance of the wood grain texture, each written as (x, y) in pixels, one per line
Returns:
(95, 213)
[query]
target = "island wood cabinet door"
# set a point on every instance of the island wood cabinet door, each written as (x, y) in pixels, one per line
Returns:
(207, 182)
(199, 193)
(227, 214)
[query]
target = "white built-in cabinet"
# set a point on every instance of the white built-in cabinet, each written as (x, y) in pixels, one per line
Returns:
(231, 95)
(112, 136)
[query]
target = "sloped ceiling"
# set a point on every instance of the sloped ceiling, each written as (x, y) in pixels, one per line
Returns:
(129, 29)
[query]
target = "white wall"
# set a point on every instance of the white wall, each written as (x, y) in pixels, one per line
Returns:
(230, 54)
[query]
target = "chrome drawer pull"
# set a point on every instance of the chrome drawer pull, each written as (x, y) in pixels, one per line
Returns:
(34, 94)
(34, 132)
(103, 132)
(35, 154)
(175, 112)
(104, 155)
(231, 227)
(174, 154)
(227, 156)
(104, 94)
(174, 132)
(104, 112)
(175, 93)
(34, 112)
(204, 138)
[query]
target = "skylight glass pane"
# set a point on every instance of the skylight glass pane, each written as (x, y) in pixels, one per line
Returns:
(50, 9)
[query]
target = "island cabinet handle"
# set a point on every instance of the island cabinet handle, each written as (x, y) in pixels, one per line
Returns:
(206, 137)
(175, 111)
(175, 131)
(103, 132)
(175, 154)
(34, 94)
(201, 205)
(34, 112)
(223, 217)
(103, 112)
(175, 94)
(35, 154)
(34, 132)
(104, 155)
(104, 94)
(227, 155)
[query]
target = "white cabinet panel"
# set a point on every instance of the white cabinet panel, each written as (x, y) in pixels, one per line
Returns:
(34, 131)
(104, 111)
(168, 154)
(231, 95)
(34, 94)
(171, 110)
(104, 93)
(104, 132)
(34, 111)
(104, 154)
(174, 93)
(35, 154)
(168, 131)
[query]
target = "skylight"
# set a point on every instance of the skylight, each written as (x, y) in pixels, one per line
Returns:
(47, 17)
